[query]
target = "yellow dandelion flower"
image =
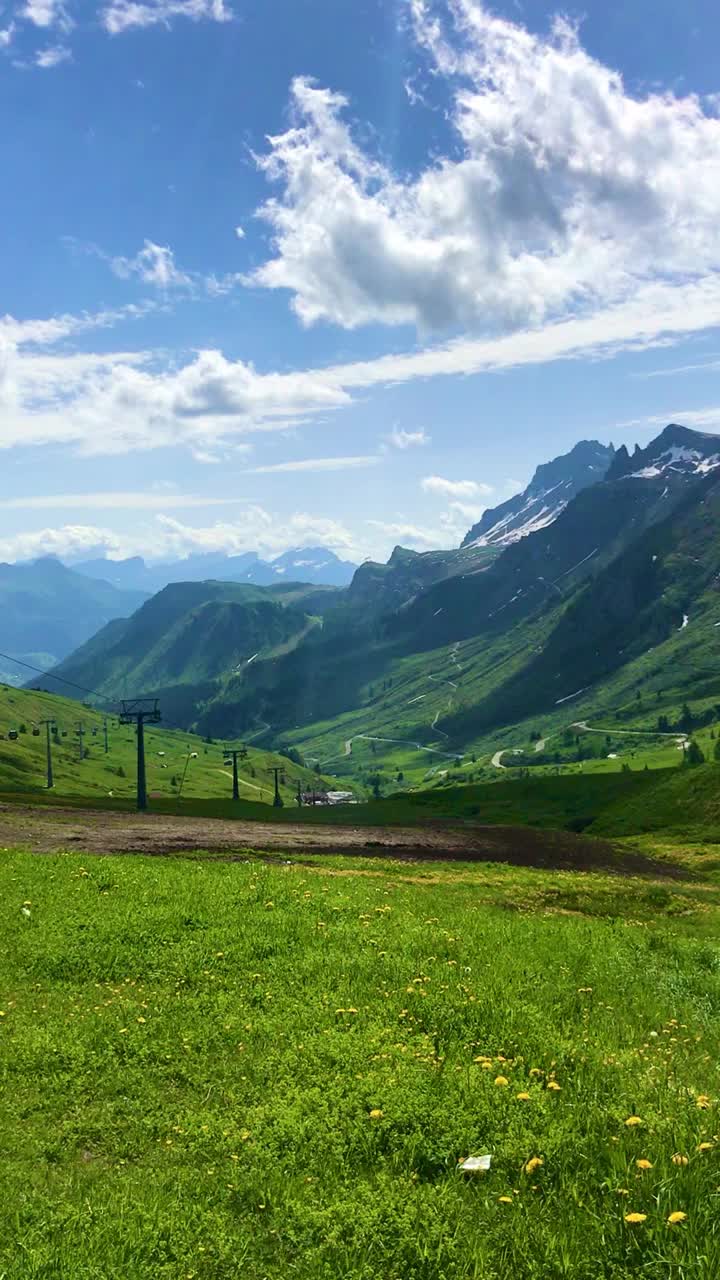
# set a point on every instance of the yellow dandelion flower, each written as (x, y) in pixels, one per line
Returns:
(677, 1216)
(535, 1071)
(705, 1146)
(534, 1163)
(523, 1097)
(501, 1081)
(703, 1102)
(633, 1121)
(635, 1218)
(376, 1114)
(486, 1066)
(644, 1164)
(141, 1019)
(679, 1159)
(505, 1199)
(553, 1084)
(623, 1191)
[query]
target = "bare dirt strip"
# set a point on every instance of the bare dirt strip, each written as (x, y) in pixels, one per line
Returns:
(90, 831)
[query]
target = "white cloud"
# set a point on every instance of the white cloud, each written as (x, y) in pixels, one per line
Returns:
(166, 538)
(154, 264)
(240, 233)
(6, 35)
(401, 439)
(466, 510)
(72, 541)
(53, 56)
(703, 366)
(454, 488)
(561, 194)
(409, 533)
(116, 500)
(122, 15)
(318, 464)
(703, 419)
(46, 14)
(115, 402)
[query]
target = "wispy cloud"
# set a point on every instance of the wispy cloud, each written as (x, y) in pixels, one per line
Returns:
(703, 366)
(110, 404)
(408, 533)
(154, 264)
(53, 56)
(123, 15)
(398, 438)
(708, 418)
(454, 488)
(116, 500)
(317, 464)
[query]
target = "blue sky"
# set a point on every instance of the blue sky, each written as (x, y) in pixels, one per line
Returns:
(342, 271)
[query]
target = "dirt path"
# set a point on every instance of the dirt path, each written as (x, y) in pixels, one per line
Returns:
(102, 832)
(631, 733)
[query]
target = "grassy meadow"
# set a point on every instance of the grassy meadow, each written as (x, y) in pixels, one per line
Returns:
(177, 764)
(220, 1069)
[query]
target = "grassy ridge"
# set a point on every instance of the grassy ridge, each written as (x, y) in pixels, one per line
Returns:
(168, 752)
(220, 1070)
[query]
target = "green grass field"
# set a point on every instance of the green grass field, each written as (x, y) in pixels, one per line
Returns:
(176, 763)
(221, 1070)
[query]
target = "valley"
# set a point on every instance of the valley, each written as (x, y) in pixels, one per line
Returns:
(568, 643)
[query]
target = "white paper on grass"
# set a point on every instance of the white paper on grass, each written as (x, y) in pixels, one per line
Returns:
(476, 1164)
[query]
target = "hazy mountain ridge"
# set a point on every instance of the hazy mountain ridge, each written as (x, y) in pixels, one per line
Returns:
(316, 565)
(47, 610)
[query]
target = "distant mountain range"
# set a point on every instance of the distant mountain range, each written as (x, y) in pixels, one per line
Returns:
(316, 565)
(47, 610)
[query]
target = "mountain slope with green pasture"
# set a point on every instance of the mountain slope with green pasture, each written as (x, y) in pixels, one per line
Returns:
(177, 763)
(186, 641)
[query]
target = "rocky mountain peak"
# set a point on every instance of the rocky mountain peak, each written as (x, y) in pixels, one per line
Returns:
(551, 488)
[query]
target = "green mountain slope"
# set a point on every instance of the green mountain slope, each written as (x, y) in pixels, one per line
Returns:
(395, 585)
(177, 763)
(510, 606)
(186, 642)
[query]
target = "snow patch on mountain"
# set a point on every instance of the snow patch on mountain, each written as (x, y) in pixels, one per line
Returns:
(678, 458)
(554, 485)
